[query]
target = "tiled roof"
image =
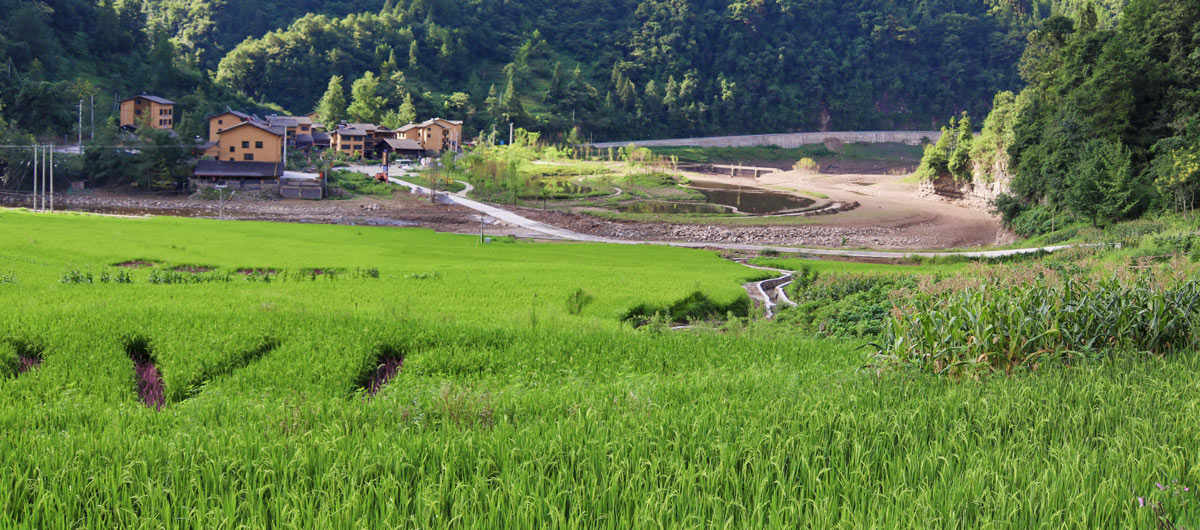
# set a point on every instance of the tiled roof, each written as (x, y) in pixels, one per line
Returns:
(240, 115)
(277, 131)
(224, 169)
(402, 144)
(156, 99)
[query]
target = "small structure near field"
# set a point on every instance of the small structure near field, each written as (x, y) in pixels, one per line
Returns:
(294, 185)
(393, 148)
(238, 175)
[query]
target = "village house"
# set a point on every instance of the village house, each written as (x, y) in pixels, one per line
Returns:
(452, 138)
(237, 175)
(299, 129)
(435, 136)
(391, 149)
(158, 113)
(350, 140)
(250, 141)
(217, 123)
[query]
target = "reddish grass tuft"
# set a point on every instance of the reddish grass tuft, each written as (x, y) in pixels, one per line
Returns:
(149, 381)
(25, 364)
(386, 368)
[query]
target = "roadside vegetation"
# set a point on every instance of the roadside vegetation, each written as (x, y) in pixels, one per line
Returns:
(353, 184)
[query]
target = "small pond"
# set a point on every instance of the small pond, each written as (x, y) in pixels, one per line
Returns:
(663, 207)
(750, 200)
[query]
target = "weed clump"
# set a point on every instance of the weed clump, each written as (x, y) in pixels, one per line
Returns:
(383, 367)
(693, 307)
(149, 382)
(578, 300)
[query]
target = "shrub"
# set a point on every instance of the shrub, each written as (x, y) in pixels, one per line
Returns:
(76, 276)
(693, 307)
(806, 165)
(1010, 207)
(578, 300)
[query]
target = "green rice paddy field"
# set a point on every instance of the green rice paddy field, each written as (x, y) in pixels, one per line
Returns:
(512, 407)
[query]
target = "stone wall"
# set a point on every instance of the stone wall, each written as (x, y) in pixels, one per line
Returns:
(788, 140)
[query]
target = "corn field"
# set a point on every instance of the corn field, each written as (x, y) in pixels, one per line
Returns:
(1002, 327)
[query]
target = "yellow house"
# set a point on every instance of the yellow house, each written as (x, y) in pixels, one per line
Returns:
(158, 112)
(452, 138)
(436, 135)
(250, 141)
(298, 128)
(352, 139)
(217, 123)
(224, 120)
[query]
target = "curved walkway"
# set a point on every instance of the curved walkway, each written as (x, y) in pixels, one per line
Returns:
(570, 235)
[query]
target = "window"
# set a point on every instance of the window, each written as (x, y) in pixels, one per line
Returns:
(220, 122)
(231, 150)
(137, 113)
(246, 145)
(304, 128)
(248, 156)
(258, 145)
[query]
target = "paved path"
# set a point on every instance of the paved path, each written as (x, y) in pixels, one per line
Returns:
(570, 235)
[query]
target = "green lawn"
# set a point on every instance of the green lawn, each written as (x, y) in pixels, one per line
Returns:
(509, 410)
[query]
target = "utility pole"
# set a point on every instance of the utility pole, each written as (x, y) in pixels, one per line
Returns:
(92, 127)
(35, 177)
(510, 133)
(81, 123)
(51, 179)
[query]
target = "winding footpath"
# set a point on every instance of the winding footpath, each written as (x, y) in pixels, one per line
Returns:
(555, 232)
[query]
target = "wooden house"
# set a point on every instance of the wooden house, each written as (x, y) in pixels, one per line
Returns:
(250, 141)
(158, 113)
(237, 175)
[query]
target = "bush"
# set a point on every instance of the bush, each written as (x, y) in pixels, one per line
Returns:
(842, 306)
(578, 300)
(806, 165)
(1010, 207)
(694, 307)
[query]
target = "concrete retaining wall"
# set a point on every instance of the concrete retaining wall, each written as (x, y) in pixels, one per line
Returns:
(789, 140)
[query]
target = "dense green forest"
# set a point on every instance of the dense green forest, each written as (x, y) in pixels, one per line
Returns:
(1107, 127)
(623, 69)
(205, 30)
(631, 69)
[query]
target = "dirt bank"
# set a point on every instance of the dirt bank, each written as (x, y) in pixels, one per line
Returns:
(400, 210)
(891, 215)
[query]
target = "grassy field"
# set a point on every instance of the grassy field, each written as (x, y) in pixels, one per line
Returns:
(514, 407)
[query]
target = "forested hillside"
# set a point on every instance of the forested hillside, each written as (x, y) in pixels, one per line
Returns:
(644, 68)
(207, 29)
(1108, 127)
(55, 53)
(622, 69)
